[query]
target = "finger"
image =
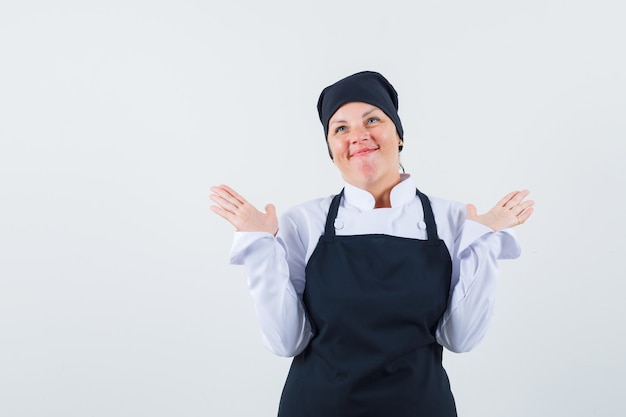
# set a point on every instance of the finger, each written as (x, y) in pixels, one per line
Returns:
(223, 204)
(222, 213)
(506, 199)
(517, 199)
(227, 196)
(525, 215)
(520, 208)
(525, 205)
(236, 195)
(225, 193)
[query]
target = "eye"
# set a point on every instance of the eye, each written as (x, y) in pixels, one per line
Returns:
(373, 120)
(340, 129)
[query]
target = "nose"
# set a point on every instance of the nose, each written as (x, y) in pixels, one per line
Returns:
(359, 134)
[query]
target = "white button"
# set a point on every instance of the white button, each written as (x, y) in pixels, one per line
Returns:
(421, 225)
(338, 224)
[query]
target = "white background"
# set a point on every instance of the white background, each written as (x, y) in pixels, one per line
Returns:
(116, 297)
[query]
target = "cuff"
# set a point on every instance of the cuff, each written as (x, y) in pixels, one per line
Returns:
(502, 243)
(507, 244)
(242, 242)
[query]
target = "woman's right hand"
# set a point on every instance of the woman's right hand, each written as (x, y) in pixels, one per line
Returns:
(241, 214)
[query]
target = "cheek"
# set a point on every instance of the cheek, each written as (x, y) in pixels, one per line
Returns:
(335, 147)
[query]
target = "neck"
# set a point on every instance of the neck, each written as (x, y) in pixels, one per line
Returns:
(382, 196)
(382, 201)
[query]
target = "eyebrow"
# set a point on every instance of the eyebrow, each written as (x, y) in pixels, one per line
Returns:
(373, 109)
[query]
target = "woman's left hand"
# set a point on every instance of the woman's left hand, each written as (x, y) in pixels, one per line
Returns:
(511, 211)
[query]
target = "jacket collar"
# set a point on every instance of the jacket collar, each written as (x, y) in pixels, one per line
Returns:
(362, 200)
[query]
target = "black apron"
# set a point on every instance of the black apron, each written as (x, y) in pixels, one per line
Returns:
(374, 302)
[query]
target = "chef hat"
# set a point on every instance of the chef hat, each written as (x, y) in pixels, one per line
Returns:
(367, 87)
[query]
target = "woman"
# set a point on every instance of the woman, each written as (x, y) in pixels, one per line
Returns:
(365, 288)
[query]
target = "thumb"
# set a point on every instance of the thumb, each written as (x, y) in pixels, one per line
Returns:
(270, 210)
(471, 211)
(272, 219)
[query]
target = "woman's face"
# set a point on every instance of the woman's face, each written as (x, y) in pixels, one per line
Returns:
(364, 142)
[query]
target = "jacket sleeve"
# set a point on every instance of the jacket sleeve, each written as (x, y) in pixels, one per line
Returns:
(278, 305)
(475, 271)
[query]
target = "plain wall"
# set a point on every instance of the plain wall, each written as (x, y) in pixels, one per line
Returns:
(116, 296)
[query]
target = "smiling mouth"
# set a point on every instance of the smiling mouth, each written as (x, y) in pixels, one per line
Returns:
(363, 152)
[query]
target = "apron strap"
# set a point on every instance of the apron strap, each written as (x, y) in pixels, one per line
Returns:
(429, 218)
(329, 231)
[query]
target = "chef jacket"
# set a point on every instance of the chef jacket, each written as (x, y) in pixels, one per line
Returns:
(275, 265)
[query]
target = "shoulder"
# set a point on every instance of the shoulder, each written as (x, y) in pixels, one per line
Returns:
(301, 226)
(310, 211)
(447, 211)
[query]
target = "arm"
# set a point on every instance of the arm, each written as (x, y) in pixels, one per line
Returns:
(480, 243)
(268, 260)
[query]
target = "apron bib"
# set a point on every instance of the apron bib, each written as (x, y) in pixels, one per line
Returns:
(374, 302)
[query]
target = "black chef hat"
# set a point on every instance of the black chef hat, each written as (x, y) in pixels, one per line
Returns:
(367, 87)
